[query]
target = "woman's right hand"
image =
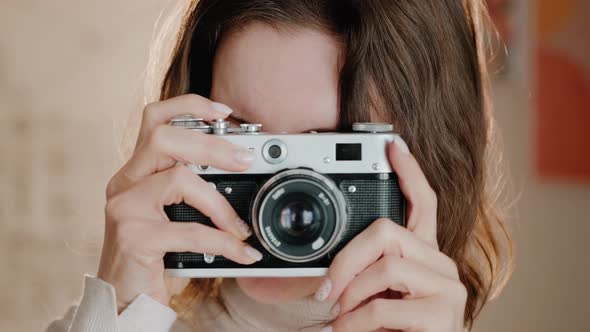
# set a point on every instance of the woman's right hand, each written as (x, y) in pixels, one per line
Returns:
(138, 232)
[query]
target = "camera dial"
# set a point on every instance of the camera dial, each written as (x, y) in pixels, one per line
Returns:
(188, 121)
(250, 128)
(372, 127)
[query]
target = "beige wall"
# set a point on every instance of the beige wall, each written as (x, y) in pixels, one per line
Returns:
(69, 73)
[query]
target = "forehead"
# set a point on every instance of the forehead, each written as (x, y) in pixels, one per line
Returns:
(285, 79)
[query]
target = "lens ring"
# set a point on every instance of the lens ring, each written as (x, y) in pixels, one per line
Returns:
(331, 232)
(275, 200)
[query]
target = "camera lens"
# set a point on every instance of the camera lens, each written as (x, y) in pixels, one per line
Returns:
(299, 215)
(299, 220)
(274, 151)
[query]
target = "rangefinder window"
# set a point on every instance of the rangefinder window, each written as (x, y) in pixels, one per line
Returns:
(349, 152)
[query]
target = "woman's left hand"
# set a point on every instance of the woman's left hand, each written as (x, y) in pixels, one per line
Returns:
(395, 278)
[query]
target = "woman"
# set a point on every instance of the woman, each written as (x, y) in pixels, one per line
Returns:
(298, 66)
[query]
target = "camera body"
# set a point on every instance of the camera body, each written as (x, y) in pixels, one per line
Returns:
(306, 196)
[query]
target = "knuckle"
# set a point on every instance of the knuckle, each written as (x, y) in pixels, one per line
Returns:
(181, 175)
(196, 231)
(158, 137)
(193, 97)
(231, 246)
(390, 266)
(149, 110)
(112, 187)
(376, 309)
(384, 230)
(118, 183)
(174, 188)
(338, 260)
(215, 145)
(238, 248)
(114, 208)
(382, 225)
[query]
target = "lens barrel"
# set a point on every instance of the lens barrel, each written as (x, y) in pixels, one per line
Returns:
(299, 215)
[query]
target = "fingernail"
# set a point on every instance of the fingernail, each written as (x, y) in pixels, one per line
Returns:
(401, 144)
(221, 108)
(245, 156)
(335, 310)
(243, 228)
(327, 329)
(322, 293)
(255, 254)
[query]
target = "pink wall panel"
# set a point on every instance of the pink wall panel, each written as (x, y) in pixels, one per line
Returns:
(562, 73)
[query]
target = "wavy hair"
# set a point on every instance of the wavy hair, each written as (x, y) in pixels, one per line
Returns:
(422, 65)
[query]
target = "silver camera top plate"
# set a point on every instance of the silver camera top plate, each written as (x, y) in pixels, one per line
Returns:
(315, 151)
(364, 150)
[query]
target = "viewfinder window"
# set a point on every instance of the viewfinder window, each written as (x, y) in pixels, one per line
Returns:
(349, 152)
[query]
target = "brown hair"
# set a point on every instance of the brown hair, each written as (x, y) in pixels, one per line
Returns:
(420, 64)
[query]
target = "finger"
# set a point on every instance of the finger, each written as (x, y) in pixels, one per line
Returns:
(382, 237)
(413, 280)
(179, 184)
(169, 145)
(413, 183)
(198, 238)
(410, 315)
(162, 112)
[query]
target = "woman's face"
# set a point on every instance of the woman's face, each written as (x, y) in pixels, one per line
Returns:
(286, 80)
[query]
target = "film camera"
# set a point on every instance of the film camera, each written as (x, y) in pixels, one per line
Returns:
(305, 197)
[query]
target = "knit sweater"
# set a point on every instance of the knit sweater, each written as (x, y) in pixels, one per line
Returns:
(97, 312)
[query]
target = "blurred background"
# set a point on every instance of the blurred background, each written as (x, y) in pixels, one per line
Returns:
(71, 71)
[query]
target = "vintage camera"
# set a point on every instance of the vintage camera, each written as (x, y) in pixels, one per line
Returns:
(306, 196)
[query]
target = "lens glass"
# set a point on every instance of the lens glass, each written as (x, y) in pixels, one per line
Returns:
(298, 219)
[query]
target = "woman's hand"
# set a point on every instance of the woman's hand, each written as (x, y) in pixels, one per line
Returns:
(138, 232)
(395, 278)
